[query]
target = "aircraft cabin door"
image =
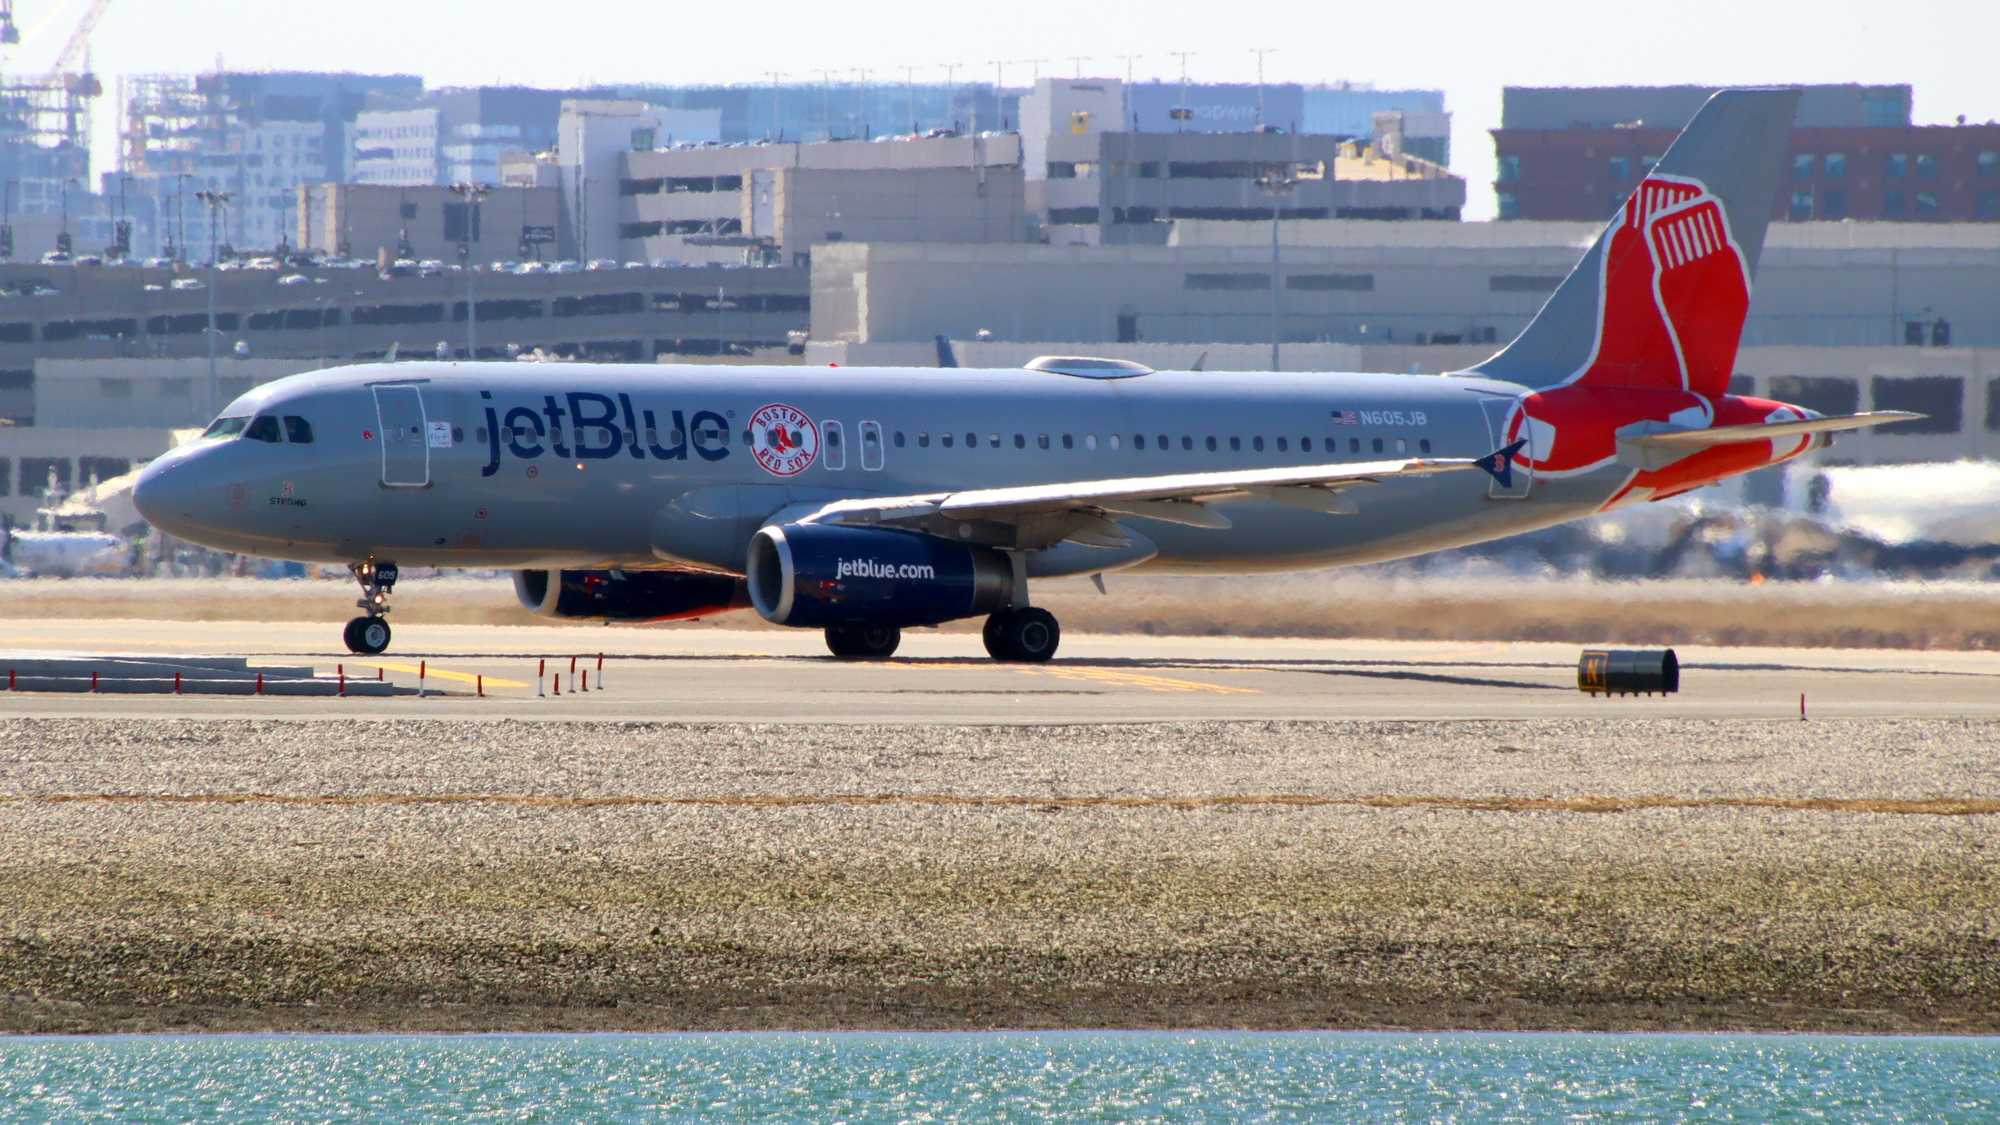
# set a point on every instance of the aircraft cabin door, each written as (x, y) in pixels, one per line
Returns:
(406, 454)
(1499, 411)
(871, 446)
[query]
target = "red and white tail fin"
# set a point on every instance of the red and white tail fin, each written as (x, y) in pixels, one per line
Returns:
(1658, 303)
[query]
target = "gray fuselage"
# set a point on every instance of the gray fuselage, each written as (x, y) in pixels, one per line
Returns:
(486, 464)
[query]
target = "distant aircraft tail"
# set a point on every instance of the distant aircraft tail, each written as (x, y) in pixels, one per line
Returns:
(1658, 302)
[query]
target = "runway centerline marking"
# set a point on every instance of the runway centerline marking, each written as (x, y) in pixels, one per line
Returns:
(1582, 803)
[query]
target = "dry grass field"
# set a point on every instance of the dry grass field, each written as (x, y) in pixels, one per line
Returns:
(1956, 615)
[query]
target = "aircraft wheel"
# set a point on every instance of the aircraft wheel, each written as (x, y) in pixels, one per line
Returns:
(1028, 636)
(367, 636)
(863, 642)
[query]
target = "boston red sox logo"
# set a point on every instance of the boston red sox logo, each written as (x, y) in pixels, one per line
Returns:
(783, 439)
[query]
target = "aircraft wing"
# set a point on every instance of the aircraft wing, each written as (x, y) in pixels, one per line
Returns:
(1045, 514)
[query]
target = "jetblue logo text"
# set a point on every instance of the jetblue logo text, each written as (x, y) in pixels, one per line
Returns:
(599, 427)
(869, 568)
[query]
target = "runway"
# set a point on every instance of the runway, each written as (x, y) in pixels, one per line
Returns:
(770, 675)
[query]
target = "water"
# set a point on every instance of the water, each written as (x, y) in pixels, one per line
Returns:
(1000, 1077)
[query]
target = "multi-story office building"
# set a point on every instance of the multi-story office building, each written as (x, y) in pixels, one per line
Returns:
(1577, 153)
(256, 137)
(1093, 180)
(773, 202)
(373, 221)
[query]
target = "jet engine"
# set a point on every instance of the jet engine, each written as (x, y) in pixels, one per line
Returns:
(816, 575)
(627, 595)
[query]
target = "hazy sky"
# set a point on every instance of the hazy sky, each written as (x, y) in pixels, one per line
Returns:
(1948, 49)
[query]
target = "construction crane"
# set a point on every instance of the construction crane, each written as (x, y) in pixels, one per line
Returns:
(82, 84)
(9, 34)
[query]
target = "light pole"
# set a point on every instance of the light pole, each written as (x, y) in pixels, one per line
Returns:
(180, 218)
(216, 201)
(1277, 183)
(471, 195)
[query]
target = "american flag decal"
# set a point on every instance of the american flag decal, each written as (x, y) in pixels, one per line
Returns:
(1346, 418)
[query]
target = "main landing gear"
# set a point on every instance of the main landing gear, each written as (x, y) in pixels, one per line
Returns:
(1025, 634)
(863, 642)
(368, 635)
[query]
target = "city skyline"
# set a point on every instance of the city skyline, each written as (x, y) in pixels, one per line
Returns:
(1475, 50)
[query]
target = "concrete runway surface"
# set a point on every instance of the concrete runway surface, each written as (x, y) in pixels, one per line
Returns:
(769, 675)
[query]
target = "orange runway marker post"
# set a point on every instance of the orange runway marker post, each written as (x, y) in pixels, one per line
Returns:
(260, 683)
(342, 669)
(480, 686)
(541, 669)
(600, 671)
(177, 683)
(558, 690)
(423, 675)
(586, 679)
(93, 679)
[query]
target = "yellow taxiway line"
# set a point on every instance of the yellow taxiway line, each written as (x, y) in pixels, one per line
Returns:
(1140, 679)
(441, 673)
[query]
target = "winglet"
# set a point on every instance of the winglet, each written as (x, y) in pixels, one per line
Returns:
(1499, 464)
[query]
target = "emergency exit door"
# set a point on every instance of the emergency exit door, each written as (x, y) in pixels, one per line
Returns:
(406, 454)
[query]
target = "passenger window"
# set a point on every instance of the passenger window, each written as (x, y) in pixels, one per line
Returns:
(1424, 446)
(899, 439)
(1069, 442)
(1378, 445)
(1113, 439)
(1163, 442)
(1257, 443)
(993, 440)
(1354, 445)
(972, 441)
(458, 435)
(944, 440)
(1211, 443)
(924, 439)
(1041, 441)
(265, 428)
(1090, 441)
(1187, 442)
(1138, 441)
(1402, 445)
(1236, 445)
(298, 431)
(1020, 441)
(1281, 445)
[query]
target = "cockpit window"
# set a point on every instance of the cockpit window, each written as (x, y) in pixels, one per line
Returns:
(264, 428)
(298, 431)
(226, 427)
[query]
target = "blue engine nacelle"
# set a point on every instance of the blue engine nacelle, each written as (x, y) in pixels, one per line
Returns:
(627, 595)
(815, 575)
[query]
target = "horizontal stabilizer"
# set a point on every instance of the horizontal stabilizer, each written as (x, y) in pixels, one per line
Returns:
(1758, 431)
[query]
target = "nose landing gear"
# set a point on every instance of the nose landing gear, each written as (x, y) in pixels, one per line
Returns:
(369, 634)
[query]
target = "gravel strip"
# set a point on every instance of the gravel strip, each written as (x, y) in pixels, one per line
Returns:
(480, 914)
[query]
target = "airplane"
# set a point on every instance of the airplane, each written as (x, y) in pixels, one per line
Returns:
(864, 501)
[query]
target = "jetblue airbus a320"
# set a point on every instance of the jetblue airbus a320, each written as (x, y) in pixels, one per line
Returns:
(866, 501)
